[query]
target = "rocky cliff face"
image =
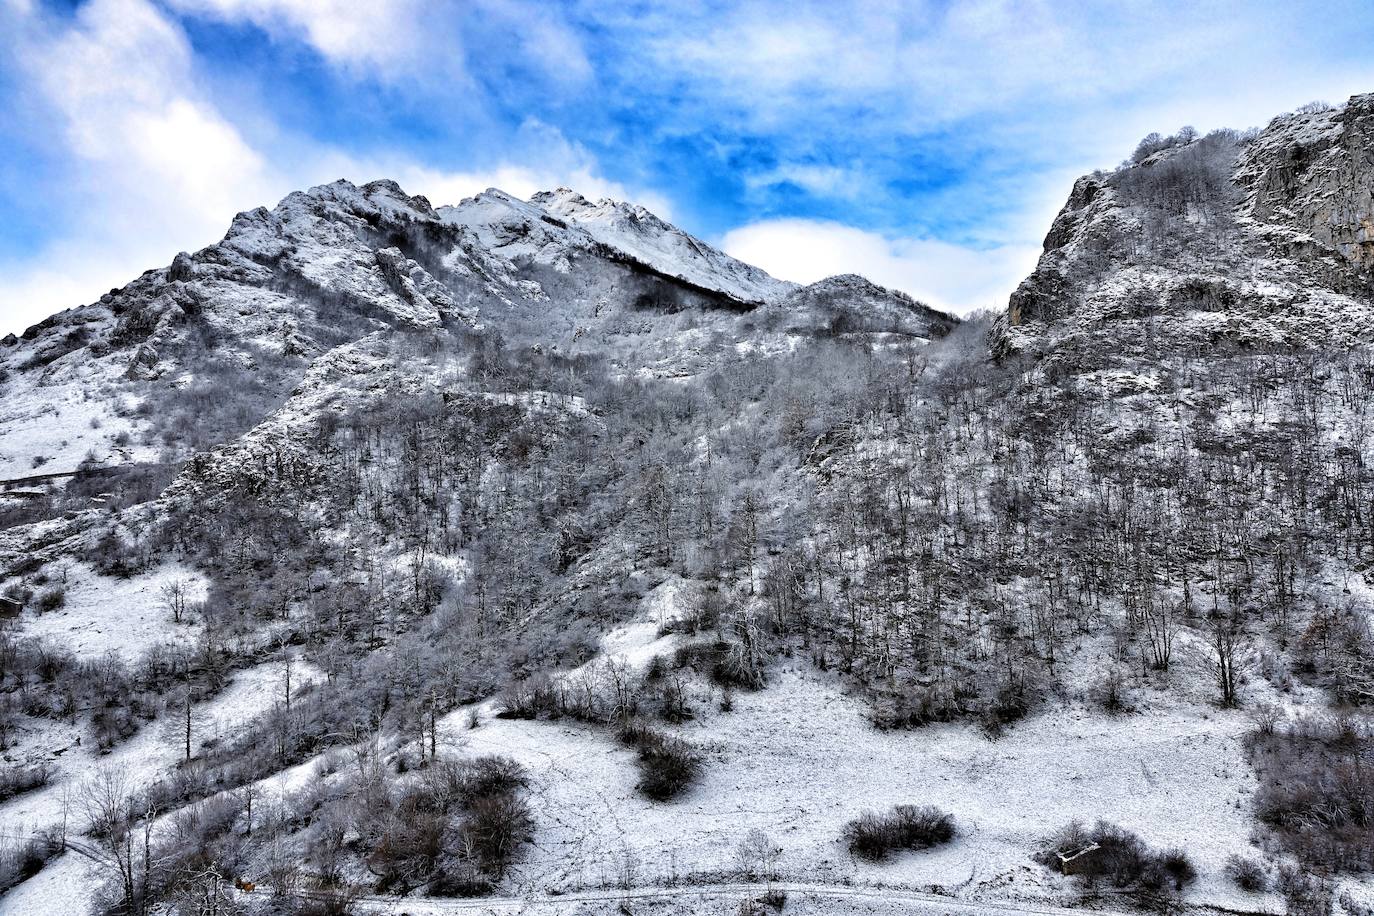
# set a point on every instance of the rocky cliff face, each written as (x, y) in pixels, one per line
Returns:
(1253, 240)
(1313, 172)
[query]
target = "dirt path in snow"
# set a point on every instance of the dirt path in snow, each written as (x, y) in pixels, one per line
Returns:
(911, 901)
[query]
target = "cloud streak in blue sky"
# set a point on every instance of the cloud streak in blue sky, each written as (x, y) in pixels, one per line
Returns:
(926, 143)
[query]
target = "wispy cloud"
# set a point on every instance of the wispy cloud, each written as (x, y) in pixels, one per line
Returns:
(955, 278)
(424, 44)
(378, 34)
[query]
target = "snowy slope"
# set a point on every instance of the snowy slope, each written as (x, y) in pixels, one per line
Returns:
(544, 229)
(643, 235)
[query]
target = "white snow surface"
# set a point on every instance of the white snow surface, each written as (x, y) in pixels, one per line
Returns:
(637, 232)
(799, 759)
(124, 616)
(546, 227)
(68, 885)
(50, 421)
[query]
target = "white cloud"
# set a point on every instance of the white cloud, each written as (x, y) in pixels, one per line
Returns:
(375, 34)
(1038, 79)
(821, 180)
(948, 276)
(155, 166)
(412, 42)
(933, 61)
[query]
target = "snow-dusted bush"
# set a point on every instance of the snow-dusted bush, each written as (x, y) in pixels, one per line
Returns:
(1110, 692)
(1247, 874)
(16, 780)
(766, 904)
(875, 836)
(1304, 893)
(454, 826)
(111, 555)
(1316, 790)
(493, 828)
(1106, 852)
(23, 857)
(50, 599)
(668, 766)
(532, 698)
(727, 663)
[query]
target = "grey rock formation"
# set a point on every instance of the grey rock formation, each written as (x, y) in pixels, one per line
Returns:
(1257, 240)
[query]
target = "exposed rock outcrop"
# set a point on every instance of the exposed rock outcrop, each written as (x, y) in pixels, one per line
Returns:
(1255, 240)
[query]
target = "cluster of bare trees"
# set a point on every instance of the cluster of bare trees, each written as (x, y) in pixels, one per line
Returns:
(940, 529)
(934, 526)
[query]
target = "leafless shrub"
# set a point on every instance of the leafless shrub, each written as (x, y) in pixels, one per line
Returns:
(668, 766)
(876, 836)
(1247, 874)
(20, 779)
(1117, 856)
(1316, 792)
(50, 599)
(23, 857)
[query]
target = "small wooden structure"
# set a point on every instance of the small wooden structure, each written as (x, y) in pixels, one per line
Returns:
(1078, 861)
(10, 607)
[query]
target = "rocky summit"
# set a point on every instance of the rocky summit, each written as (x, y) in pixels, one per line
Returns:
(1258, 239)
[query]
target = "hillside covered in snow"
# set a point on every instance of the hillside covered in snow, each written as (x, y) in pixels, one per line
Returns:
(535, 553)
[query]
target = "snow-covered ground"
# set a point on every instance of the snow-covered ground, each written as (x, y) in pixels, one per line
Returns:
(636, 641)
(799, 759)
(153, 752)
(67, 886)
(125, 616)
(53, 420)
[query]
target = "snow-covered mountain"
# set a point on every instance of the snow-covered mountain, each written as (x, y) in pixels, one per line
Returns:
(327, 266)
(381, 552)
(296, 292)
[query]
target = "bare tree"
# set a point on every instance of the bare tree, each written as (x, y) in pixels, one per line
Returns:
(110, 806)
(757, 856)
(173, 593)
(1227, 642)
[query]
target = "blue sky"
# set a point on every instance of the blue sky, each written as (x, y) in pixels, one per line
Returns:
(925, 144)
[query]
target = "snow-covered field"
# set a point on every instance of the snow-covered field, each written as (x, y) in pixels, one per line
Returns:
(125, 616)
(52, 423)
(799, 759)
(67, 886)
